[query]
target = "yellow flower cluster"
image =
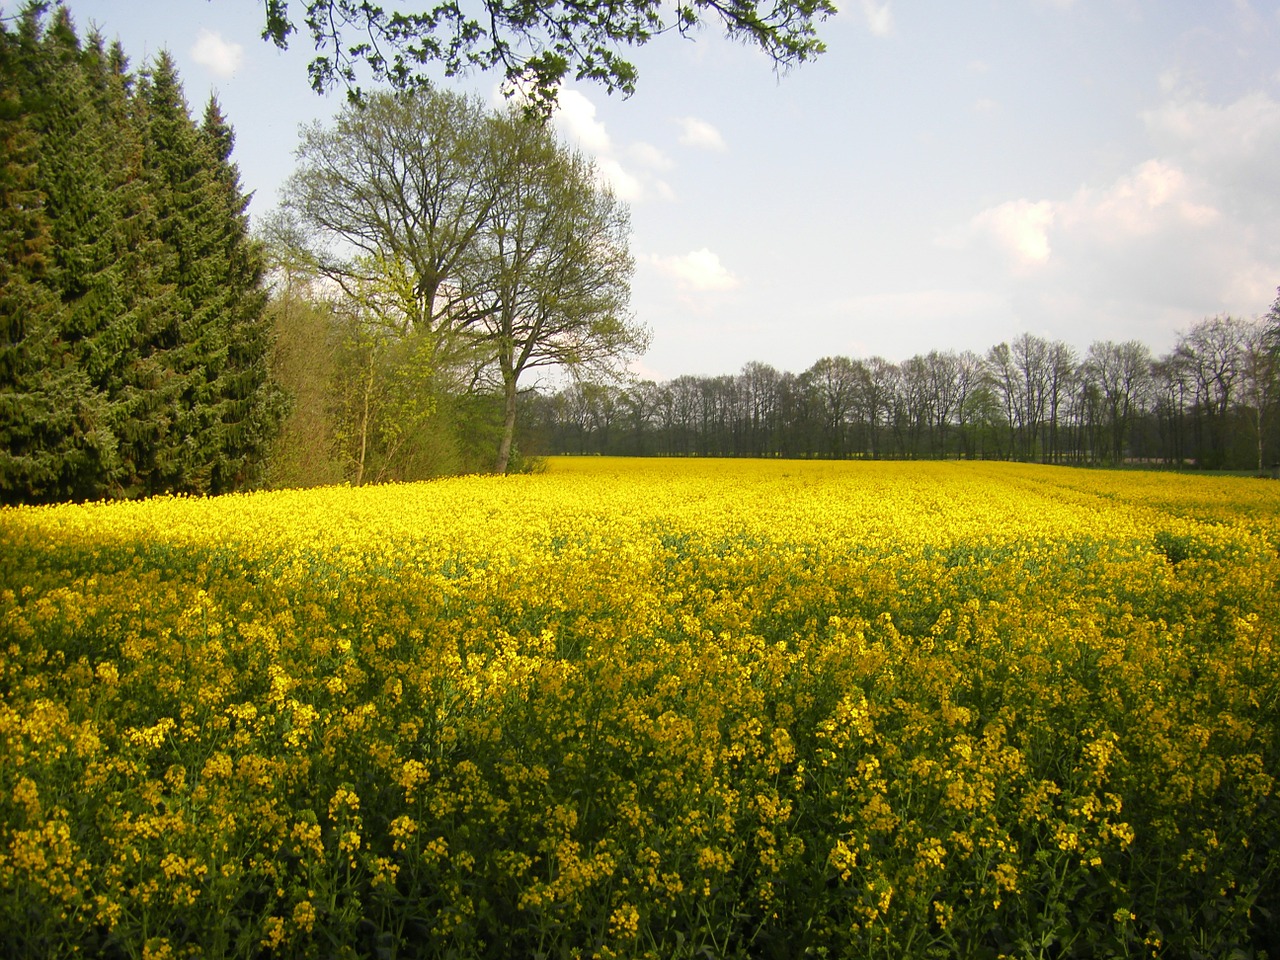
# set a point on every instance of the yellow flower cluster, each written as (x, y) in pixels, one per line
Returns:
(647, 709)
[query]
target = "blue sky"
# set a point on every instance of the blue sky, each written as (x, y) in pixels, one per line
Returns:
(946, 176)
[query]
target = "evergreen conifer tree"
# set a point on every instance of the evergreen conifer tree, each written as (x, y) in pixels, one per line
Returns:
(251, 404)
(125, 365)
(133, 338)
(186, 344)
(215, 354)
(61, 286)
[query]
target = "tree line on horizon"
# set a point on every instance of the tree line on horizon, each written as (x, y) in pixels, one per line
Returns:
(1211, 402)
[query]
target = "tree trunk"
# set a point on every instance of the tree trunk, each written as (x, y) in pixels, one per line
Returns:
(364, 426)
(508, 424)
(1258, 431)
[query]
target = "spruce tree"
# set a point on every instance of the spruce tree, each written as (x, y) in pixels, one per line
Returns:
(251, 404)
(182, 346)
(133, 344)
(62, 285)
(227, 409)
(125, 365)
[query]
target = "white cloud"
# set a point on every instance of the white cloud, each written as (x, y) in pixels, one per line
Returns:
(625, 185)
(630, 172)
(1020, 228)
(698, 270)
(649, 156)
(575, 117)
(1172, 237)
(1248, 125)
(700, 134)
(879, 18)
(659, 189)
(1155, 196)
(219, 56)
(1169, 81)
(1234, 146)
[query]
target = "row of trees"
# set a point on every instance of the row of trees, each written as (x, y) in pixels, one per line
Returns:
(1212, 402)
(133, 341)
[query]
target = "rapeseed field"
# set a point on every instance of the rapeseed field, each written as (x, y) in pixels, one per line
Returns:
(645, 708)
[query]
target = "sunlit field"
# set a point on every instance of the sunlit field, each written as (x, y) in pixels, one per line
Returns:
(648, 708)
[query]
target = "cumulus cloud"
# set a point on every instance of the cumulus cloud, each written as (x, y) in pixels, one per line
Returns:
(700, 134)
(647, 155)
(1249, 126)
(216, 54)
(1169, 81)
(879, 18)
(1155, 197)
(1192, 230)
(575, 117)
(1019, 228)
(1233, 145)
(625, 185)
(630, 172)
(698, 271)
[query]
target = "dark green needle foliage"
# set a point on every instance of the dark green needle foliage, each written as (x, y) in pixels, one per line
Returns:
(132, 340)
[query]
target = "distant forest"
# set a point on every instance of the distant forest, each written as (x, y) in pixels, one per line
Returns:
(1211, 402)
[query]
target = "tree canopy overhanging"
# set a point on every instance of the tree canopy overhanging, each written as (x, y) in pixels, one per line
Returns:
(536, 45)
